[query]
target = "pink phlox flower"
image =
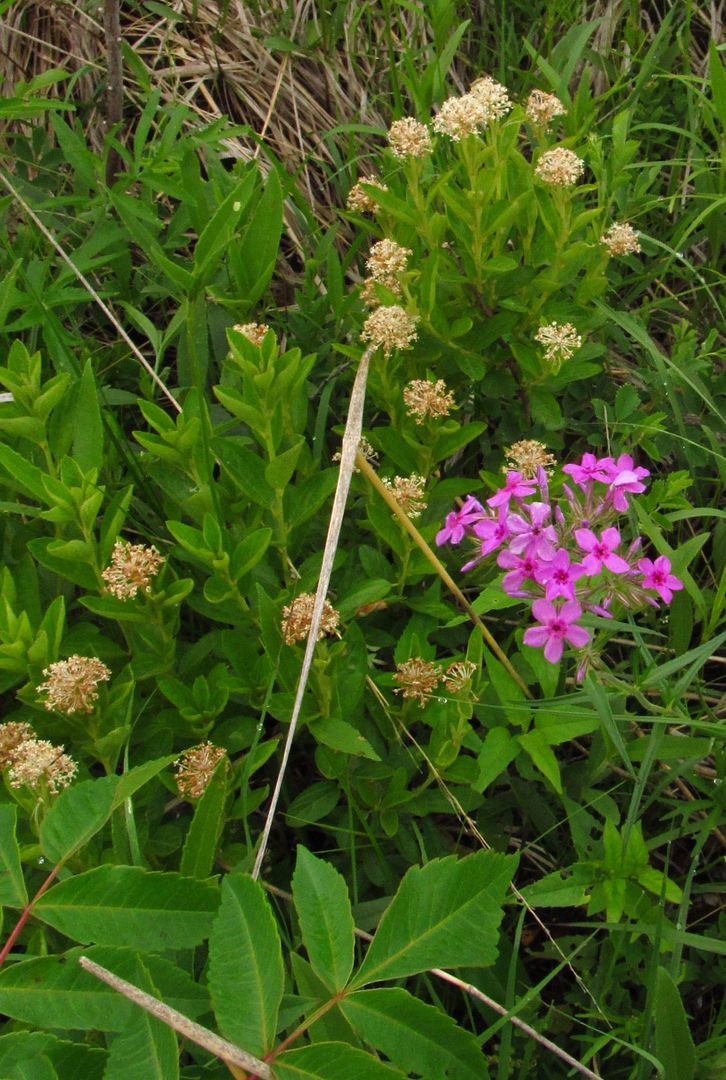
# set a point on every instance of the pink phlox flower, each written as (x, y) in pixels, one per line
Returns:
(458, 521)
(559, 576)
(515, 487)
(521, 568)
(657, 575)
(533, 536)
(558, 625)
(601, 552)
(589, 469)
(492, 531)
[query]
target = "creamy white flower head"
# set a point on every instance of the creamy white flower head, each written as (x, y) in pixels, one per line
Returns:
(359, 200)
(492, 96)
(37, 762)
(408, 491)
(542, 108)
(72, 684)
(386, 259)
(560, 167)
(621, 239)
(409, 138)
(560, 340)
(132, 568)
(460, 116)
(297, 618)
(417, 679)
(390, 327)
(426, 399)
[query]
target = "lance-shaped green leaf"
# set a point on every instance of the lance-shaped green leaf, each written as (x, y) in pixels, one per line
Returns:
(127, 905)
(417, 1037)
(673, 1040)
(147, 1048)
(40, 1069)
(200, 846)
(54, 992)
(12, 886)
(246, 977)
(445, 914)
(332, 1061)
(326, 920)
(83, 809)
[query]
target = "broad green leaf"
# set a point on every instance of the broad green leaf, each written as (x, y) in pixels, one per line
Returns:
(536, 745)
(498, 751)
(253, 258)
(509, 691)
(445, 914)
(77, 814)
(147, 1048)
(88, 425)
(39, 1069)
(717, 77)
(246, 977)
(561, 888)
(219, 231)
(332, 1061)
(278, 472)
(82, 810)
(322, 903)
(54, 992)
(331, 1025)
(68, 1058)
(200, 846)
(21, 474)
(12, 885)
(342, 736)
(673, 1040)
(419, 1038)
(126, 905)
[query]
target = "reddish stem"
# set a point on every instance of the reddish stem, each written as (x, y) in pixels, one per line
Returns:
(15, 932)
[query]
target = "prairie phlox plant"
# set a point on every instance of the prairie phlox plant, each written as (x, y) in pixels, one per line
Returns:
(568, 557)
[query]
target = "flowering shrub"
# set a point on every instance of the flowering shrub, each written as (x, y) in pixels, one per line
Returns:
(565, 558)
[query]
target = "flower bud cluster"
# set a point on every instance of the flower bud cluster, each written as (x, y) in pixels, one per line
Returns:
(565, 558)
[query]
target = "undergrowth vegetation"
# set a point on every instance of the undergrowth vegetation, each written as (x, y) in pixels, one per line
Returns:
(421, 287)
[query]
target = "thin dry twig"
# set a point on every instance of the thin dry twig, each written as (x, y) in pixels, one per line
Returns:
(227, 1052)
(351, 438)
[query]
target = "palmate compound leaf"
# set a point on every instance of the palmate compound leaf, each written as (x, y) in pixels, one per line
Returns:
(332, 1061)
(322, 903)
(126, 905)
(246, 976)
(419, 1038)
(445, 914)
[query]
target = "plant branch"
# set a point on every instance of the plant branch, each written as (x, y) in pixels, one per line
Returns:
(230, 1054)
(351, 438)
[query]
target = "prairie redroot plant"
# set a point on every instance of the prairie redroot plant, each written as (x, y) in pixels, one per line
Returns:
(286, 794)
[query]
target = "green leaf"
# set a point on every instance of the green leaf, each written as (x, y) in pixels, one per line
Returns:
(77, 814)
(717, 77)
(342, 736)
(248, 552)
(278, 472)
(82, 810)
(673, 1041)
(417, 1037)
(146, 1049)
(54, 992)
(12, 885)
(536, 745)
(660, 674)
(445, 914)
(508, 690)
(498, 751)
(246, 977)
(322, 903)
(253, 259)
(40, 1069)
(88, 425)
(332, 1061)
(126, 905)
(219, 231)
(68, 1058)
(200, 846)
(244, 468)
(21, 474)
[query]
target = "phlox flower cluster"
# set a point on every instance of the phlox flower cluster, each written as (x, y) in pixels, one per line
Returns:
(566, 557)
